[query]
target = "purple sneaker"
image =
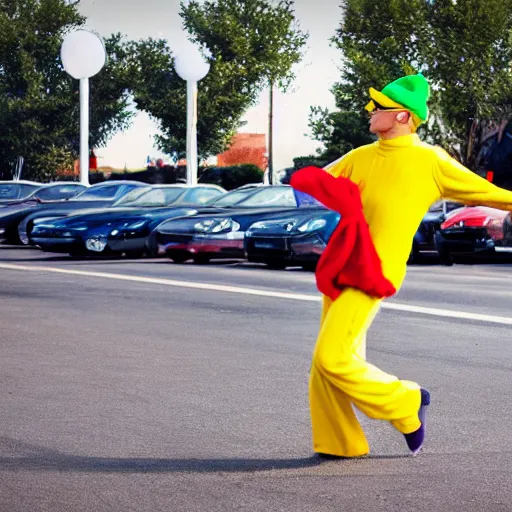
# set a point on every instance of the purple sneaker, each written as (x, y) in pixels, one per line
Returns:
(415, 439)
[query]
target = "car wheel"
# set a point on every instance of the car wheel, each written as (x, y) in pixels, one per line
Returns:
(152, 252)
(23, 231)
(310, 266)
(151, 248)
(135, 254)
(275, 265)
(414, 255)
(445, 256)
(77, 255)
(179, 258)
(202, 259)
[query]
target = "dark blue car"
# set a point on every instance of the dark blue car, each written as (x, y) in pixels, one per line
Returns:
(299, 239)
(124, 227)
(18, 220)
(296, 239)
(220, 234)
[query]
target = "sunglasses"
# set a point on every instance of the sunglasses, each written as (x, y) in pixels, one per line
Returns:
(376, 111)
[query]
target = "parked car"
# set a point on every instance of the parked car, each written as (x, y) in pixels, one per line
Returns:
(473, 231)
(15, 219)
(58, 192)
(13, 191)
(122, 228)
(221, 235)
(295, 238)
(300, 239)
(424, 239)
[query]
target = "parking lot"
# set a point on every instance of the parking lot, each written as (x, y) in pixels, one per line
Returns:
(145, 385)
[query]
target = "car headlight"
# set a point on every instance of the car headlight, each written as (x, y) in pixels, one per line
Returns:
(217, 226)
(96, 243)
(312, 225)
(129, 226)
(286, 224)
(495, 228)
(258, 225)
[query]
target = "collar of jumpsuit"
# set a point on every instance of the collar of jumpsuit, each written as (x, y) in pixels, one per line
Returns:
(399, 142)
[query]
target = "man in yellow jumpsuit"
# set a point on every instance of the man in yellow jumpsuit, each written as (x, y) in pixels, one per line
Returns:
(399, 178)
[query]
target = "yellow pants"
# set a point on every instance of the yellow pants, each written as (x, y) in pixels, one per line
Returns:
(341, 378)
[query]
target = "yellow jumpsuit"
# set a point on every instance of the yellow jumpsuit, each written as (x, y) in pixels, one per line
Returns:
(399, 179)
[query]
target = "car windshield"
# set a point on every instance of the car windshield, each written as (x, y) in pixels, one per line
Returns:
(232, 198)
(10, 191)
(99, 193)
(154, 197)
(58, 192)
(271, 196)
(132, 195)
(199, 196)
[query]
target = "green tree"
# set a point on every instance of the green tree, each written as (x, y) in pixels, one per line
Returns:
(250, 43)
(469, 65)
(260, 39)
(463, 48)
(339, 131)
(380, 41)
(159, 91)
(39, 108)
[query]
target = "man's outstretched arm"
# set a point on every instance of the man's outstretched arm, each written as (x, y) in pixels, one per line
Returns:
(458, 183)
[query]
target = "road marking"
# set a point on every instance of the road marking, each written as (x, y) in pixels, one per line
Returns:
(394, 306)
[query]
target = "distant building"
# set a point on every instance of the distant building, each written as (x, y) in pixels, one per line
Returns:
(246, 148)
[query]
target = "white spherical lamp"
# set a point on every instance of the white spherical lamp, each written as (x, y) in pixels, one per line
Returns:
(190, 64)
(83, 54)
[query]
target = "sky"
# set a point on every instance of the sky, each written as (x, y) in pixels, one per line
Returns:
(316, 74)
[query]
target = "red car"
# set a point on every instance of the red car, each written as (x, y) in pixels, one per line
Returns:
(472, 231)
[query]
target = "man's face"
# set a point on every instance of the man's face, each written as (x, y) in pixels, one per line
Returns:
(381, 121)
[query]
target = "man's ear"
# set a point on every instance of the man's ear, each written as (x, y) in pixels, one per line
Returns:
(403, 117)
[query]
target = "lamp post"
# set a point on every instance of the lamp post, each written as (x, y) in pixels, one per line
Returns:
(83, 56)
(191, 67)
(271, 133)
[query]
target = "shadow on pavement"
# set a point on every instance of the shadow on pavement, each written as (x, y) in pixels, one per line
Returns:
(23, 456)
(112, 465)
(16, 247)
(50, 259)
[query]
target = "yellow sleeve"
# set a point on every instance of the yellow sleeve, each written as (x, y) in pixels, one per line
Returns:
(341, 167)
(458, 183)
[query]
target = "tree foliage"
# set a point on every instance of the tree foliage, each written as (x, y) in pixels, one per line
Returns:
(39, 107)
(249, 42)
(469, 63)
(159, 91)
(260, 40)
(463, 48)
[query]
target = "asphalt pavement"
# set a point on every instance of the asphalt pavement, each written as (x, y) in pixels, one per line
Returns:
(140, 385)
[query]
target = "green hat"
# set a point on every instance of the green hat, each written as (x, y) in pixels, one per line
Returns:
(409, 92)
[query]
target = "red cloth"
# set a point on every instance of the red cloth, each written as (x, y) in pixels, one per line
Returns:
(350, 259)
